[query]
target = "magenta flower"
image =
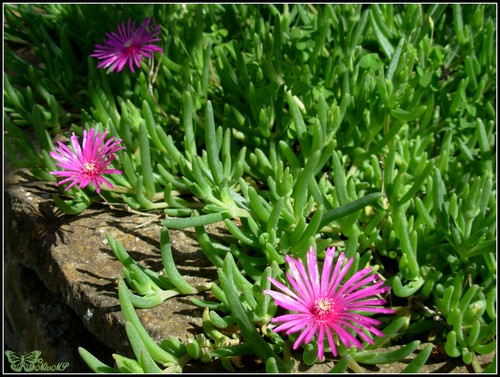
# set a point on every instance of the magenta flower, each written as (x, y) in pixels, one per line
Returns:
(322, 306)
(87, 163)
(128, 45)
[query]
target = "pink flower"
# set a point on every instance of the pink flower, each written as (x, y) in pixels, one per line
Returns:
(128, 45)
(87, 163)
(322, 306)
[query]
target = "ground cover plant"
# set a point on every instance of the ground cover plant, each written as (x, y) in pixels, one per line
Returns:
(348, 149)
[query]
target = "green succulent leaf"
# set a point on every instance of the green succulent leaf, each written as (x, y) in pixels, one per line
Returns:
(385, 357)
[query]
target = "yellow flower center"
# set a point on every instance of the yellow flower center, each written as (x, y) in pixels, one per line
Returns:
(323, 308)
(90, 168)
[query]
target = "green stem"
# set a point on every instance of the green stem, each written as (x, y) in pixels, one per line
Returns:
(475, 364)
(355, 366)
(247, 328)
(168, 262)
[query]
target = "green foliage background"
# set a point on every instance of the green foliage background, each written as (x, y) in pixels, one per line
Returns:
(366, 127)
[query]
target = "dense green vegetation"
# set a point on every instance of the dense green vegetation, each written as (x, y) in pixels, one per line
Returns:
(370, 128)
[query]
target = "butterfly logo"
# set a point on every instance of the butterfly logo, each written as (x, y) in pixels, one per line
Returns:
(19, 361)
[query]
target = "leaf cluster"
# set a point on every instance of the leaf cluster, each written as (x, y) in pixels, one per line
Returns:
(366, 127)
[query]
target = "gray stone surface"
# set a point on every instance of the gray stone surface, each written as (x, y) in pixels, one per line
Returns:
(37, 319)
(71, 259)
(60, 282)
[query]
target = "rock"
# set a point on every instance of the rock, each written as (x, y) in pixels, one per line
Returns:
(72, 260)
(37, 319)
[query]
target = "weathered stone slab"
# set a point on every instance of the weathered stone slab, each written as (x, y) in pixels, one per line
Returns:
(37, 319)
(70, 255)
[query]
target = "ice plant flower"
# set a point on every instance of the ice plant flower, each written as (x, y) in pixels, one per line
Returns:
(86, 163)
(322, 306)
(128, 45)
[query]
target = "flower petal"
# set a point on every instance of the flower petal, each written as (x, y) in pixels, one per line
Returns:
(322, 305)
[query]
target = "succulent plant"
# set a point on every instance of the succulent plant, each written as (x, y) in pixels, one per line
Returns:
(369, 128)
